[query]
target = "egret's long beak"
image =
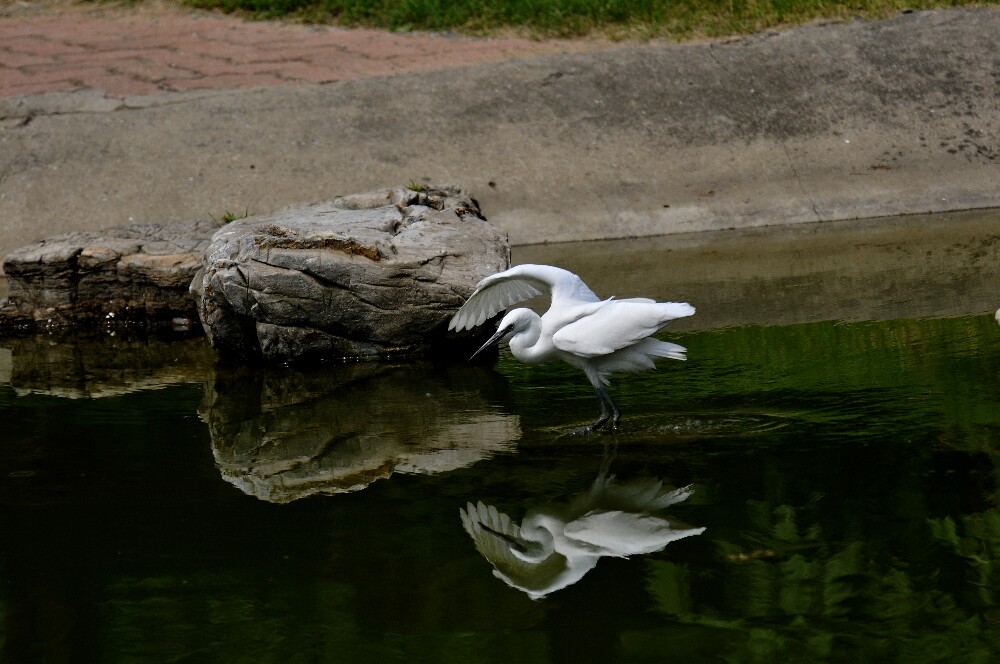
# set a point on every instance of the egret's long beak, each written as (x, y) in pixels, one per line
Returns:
(492, 340)
(514, 543)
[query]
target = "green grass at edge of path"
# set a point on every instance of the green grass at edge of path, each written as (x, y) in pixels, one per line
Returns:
(617, 19)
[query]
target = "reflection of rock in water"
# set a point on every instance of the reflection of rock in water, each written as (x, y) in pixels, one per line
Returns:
(102, 365)
(557, 545)
(6, 365)
(284, 435)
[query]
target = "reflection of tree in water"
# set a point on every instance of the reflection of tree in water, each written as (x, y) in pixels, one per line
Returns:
(865, 528)
(794, 594)
(281, 435)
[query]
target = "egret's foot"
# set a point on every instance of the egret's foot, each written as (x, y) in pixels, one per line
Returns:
(601, 421)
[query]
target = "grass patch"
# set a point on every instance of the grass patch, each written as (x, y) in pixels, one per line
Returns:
(229, 217)
(679, 19)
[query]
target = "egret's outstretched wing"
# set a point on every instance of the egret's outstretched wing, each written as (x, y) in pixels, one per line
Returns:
(494, 534)
(522, 282)
(617, 324)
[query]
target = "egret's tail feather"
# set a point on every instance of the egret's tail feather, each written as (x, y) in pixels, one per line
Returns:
(677, 309)
(666, 349)
(639, 357)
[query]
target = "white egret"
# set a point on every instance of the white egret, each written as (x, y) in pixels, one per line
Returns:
(556, 545)
(598, 336)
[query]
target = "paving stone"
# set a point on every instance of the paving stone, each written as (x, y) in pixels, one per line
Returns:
(87, 46)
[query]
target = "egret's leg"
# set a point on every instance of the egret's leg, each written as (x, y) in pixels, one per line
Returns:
(608, 409)
(616, 417)
(602, 420)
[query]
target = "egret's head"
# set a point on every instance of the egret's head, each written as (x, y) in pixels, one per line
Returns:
(515, 321)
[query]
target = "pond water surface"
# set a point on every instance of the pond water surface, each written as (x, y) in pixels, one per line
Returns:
(837, 424)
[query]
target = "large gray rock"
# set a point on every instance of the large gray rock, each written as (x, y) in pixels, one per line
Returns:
(367, 275)
(136, 273)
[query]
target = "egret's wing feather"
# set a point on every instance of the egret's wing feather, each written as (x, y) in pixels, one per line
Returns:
(522, 282)
(491, 298)
(494, 533)
(623, 534)
(617, 324)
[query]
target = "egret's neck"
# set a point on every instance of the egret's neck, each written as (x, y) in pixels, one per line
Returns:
(538, 534)
(527, 344)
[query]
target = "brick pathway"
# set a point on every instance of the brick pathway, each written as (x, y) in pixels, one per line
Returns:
(53, 45)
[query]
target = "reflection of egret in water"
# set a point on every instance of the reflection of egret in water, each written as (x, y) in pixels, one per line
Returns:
(556, 545)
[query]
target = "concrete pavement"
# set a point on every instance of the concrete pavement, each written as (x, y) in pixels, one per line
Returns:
(559, 141)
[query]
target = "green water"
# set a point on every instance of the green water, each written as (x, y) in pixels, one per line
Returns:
(157, 507)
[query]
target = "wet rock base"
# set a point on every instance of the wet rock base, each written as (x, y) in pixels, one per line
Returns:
(131, 275)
